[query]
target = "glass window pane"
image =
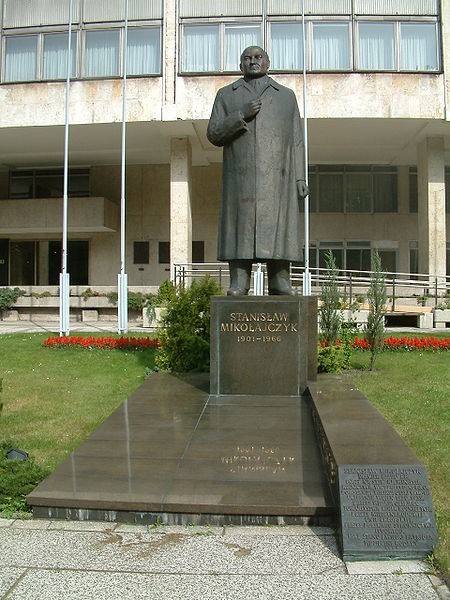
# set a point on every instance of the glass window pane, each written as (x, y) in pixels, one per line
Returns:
(286, 46)
(55, 55)
(49, 187)
(144, 51)
(102, 53)
(237, 39)
(418, 47)
(331, 192)
(376, 46)
(388, 260)
(447, 191)
(20, 59)
(200, 48)
(22, 259)
(413, 193)
(21, 187)
(312, 183)
(384, 192)
(358, 192)
(331, 46)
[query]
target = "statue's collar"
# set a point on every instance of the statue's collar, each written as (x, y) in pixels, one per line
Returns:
(269, 80)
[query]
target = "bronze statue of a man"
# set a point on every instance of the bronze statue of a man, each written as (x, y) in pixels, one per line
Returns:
(257, 122)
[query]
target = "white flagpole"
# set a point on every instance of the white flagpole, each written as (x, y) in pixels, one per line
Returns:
(306, 274)
(64, 278)
(122, 278)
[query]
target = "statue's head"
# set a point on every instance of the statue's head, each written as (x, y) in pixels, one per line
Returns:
(254, 62)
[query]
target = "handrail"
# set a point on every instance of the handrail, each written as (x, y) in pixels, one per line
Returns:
(351, 281)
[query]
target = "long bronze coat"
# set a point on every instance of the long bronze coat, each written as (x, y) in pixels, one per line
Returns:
(262, 161)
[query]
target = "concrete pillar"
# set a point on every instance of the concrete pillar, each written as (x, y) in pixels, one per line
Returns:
(431, 187)
(169, 109)
(180, 202)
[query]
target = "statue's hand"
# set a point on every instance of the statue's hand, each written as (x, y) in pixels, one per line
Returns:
(251, 109)
(302, 188)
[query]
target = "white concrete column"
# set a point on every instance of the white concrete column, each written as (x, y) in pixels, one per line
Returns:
(180, 202)
(169, 109)
(431, 187)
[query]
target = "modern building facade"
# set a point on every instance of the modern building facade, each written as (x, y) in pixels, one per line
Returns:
(378, 88)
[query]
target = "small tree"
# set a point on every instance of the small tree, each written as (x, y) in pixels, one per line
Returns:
(330, 313)
(376, 297)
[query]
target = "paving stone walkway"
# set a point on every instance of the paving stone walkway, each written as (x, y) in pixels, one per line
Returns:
(43, 559)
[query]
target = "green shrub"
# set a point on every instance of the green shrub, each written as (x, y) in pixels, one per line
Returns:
(330, 313)
(17, 479)
(376, 297)
(9, 296)
(331, 359)
(184, 337)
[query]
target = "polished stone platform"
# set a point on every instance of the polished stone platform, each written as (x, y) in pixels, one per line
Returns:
(173, 449)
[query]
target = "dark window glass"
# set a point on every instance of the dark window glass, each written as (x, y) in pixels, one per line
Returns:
(331, 192)
(413, 192)
(141, 253)
(198, 252)
(164, 253)
(385, 192)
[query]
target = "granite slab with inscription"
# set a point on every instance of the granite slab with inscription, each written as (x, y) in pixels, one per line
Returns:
(386, 511)
(263, 345)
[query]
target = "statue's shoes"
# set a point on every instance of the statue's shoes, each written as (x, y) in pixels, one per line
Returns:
(283, 291)
(236, 292)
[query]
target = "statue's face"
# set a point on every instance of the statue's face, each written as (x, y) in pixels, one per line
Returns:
(254, 62)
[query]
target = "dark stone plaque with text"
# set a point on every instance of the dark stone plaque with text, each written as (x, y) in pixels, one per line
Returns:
(386, 511)
(263, 344)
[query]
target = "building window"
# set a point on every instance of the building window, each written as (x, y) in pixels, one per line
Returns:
(447, 192)
(359, 192)
(413, 191)
(337, 249)
(77, 261)
(200, 48)
(358, 257)
(418, 49)
(21, 57)
(198, 252)
(388, 260)
(102, 53)
(24, 263)
(384, 192)
(144, 50)
(331, 46)
(164, 253)
(286, 46)
(237, 38)
(413, 259)
(376, 46)
(141, 253)
(331, 192)
(55, 55)
(47, 183)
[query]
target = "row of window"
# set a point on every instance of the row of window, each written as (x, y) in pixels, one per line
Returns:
(331, 46)
(216, 47)
(94, 53)
(350, 189)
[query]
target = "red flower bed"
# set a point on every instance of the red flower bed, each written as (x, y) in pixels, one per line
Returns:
(106, 343)
(407, 343)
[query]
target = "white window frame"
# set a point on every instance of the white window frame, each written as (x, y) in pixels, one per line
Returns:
(222, 25)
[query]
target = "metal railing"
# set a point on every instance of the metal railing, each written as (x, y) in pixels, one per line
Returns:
(419, 287)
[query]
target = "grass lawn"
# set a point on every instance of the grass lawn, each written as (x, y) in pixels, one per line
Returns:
(412, 390)
(54, 398)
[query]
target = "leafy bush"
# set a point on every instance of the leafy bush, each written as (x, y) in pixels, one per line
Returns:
(184, 338)
(332, 358)
(17, 479)
(8, 297)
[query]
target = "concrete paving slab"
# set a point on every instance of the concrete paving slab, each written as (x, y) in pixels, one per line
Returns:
(8, 577)
(75, 585)
(394, 567)
(232, 563)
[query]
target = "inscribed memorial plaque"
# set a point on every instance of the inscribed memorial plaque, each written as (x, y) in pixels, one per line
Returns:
(386, 512)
